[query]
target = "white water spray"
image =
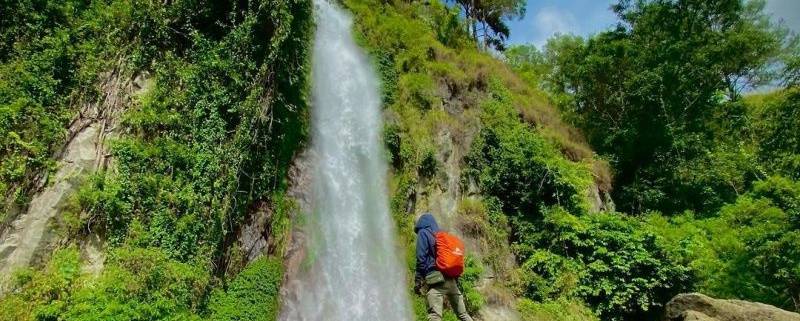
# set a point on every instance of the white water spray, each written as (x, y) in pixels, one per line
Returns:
(353, 272)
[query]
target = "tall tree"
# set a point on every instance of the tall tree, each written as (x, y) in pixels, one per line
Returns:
(645, 91)
(486, 19)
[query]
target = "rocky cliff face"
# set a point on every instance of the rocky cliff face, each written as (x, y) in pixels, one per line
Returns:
(29, 238)
(699, 307)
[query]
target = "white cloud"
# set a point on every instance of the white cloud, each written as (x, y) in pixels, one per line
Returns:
(549, 21)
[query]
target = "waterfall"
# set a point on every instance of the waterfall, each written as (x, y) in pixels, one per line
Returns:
(353, 270)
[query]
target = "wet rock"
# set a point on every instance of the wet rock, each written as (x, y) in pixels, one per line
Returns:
(255, 238)
(300, 179)
(699, 307)
(445, 192)
(300, 189)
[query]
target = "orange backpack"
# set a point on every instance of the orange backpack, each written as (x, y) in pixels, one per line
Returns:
(449, 254)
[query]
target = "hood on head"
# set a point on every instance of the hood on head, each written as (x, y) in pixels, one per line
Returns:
(426, 221)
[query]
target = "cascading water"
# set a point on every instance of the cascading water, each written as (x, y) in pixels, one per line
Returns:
(353, 271)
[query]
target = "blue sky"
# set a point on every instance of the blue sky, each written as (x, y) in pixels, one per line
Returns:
(545, 18)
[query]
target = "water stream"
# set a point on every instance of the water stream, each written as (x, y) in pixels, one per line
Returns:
(353, 271)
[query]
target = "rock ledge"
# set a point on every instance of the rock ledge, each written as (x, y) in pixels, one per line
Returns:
(699, 307)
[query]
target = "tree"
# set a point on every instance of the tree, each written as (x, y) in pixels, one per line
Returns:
(776, 122)
(528, 62)
(486, 19)
(645, 92)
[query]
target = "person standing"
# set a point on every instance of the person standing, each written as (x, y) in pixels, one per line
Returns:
(439, 286)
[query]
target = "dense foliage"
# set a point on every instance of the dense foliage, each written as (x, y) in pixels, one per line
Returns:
(705, 173)
(46, 64)
(609, 260)
(748, 251)
(509, 156)
(670, 120)
(214, 133)
(252, 295)
(604, 259)
(137, 284)
(140, 284)
(487, 20)
(649, 92)
(664, 97)
(774, 131)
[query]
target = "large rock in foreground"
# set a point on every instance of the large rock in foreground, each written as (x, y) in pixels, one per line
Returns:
(699, 307)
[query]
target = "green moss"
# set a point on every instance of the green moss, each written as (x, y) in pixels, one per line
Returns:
(140, 284)
(418, 90)
(44, 292)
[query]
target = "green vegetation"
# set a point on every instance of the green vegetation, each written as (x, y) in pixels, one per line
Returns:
(554, 311)
(708, 172)
(649, 96)
(749, 250)
(137, 284)
(705, 174)
(468, 281)
(774, 131)
(47, 63)
(446, 88)
(140, 284)
(253, 294)
(214, 135)
(486, 20)
(669, 121)
(713, 150)
(612, 262)
(509, 155)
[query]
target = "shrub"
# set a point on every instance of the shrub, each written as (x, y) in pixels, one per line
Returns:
(140, 284)
(558, 310)
(778, 139)
(469, 280)
(747, 250)
(136, 284)
(606, 259)
(252, 295)
(42, 295)
(523, 170)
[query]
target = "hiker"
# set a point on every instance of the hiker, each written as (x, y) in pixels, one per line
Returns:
(428, 274)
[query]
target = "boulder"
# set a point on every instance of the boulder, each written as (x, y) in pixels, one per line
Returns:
(699, 307)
